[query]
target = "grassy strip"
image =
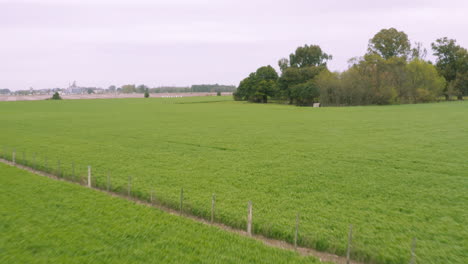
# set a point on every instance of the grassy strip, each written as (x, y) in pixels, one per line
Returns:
(45, 221)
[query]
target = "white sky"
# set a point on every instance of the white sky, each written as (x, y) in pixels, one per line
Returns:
(50, 43)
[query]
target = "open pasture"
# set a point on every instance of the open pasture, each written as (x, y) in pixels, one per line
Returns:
(394, 172)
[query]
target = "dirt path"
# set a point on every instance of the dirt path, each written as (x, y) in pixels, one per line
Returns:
(322, 256)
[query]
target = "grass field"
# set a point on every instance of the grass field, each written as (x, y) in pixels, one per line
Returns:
(394, 172)
(46, 221)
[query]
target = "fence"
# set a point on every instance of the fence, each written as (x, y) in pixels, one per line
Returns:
(76, 173)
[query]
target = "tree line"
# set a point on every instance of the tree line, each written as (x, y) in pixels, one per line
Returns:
(196, 88)
(392, 71)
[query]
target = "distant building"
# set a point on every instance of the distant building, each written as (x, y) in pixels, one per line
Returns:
(74, 89)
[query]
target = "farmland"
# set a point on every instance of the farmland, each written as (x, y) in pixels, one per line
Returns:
(394, 172)
(58, 222)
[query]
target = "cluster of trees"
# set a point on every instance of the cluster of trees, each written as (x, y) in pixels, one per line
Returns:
(392, 71)
(5, 91)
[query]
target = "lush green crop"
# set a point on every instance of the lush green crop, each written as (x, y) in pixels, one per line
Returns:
(394, 172)
(45, 221)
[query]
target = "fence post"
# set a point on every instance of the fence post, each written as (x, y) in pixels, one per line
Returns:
(59, 173)
(213, 201)
(249, 219)
(413, 252)
(24, 159)
(13, 157)
(151, 196)
(89, 176)
(129, 188)
(34, 165)
(348, 250)
(108, 181)
(297, 230)
(181, 199)
(73, 171)
(45, 163)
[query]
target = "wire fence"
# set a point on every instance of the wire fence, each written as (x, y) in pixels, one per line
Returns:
(83, 174)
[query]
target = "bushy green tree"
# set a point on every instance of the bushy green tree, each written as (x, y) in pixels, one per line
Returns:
(423, 83)
(390, 43)
(147, 93)
(307, 56)
(301, 68)
(305, 94)
(259, 86)
(452, 63)
(56, 96)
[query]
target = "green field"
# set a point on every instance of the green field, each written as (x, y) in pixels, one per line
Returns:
(394, 172)
(46, 221)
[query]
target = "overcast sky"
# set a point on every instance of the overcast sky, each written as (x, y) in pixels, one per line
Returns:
(50, 43)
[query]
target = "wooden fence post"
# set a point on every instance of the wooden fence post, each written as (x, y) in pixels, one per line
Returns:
(213, 203)
(151, 196)
(297, 231)
(89, 176)
(73, 170)
(181, 199)
(348, 250)
(129, 188)
(249, 219)
(59, 172)
(13, 156)
(108, 181)
(413, 252)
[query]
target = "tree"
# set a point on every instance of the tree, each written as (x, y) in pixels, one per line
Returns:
(305, 57)
(293, 76)
(260, 85)
(390, 43)
(303, 65)
(56, 96)
(147, 93)
(418, 51)
(128, 88)
(452, 62)
(305, 93)
(112, 88)
(423, 83)
(330, 88)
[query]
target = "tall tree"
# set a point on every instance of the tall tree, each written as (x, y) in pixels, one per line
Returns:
(308, 56)
(390, 43)
(303, 65)
(452, 63)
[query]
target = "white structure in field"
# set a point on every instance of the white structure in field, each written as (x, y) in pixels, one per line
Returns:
(74, 89)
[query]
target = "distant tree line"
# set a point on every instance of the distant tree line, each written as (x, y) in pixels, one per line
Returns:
(392, 71)
(209, 88)
(5, 91)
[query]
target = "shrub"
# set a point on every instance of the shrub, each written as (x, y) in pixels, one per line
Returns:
(56, 96)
